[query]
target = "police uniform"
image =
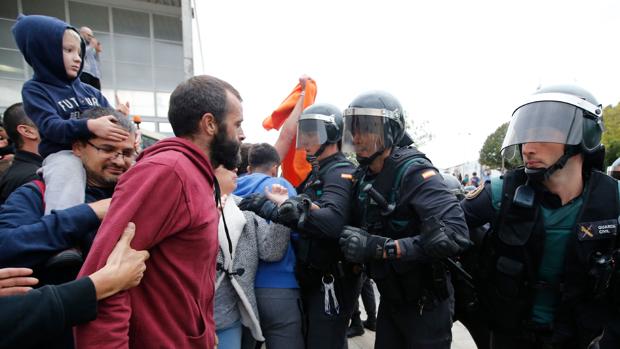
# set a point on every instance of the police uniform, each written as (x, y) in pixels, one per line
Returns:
(406, 222)
(546, 271)
(530, 296)
(329, 285)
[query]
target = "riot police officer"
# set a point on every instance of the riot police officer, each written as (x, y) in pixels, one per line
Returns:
(406, 221)
(548, 260)
(329, 285)
(614, 169)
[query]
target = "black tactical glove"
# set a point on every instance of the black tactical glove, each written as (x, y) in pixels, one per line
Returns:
(359, 246)
(259, 204)
(292, 212)
(440, 241)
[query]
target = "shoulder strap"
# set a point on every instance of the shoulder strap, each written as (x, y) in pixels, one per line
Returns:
(395, 167)
(497, 183)
(333, 165)
(41, 186)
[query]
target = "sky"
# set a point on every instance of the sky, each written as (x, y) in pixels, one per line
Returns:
(458, 67)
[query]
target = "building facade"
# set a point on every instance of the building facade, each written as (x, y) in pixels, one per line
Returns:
(143, 55)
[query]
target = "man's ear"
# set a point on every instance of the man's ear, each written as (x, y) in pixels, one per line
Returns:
(208, 124)
(27, 131)
(78, 148)
(274, 171)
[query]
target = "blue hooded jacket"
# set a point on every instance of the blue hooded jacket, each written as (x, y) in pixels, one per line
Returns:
(51, 99)
(279, 274)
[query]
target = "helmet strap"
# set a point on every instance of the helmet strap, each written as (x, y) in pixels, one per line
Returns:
(542, 174)
(366, 161)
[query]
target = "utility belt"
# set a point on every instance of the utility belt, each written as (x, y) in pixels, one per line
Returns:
(317, 253)
(410, 283)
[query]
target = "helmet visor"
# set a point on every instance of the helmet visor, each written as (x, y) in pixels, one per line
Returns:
(310, 133)
(364, 134)
(546, 122)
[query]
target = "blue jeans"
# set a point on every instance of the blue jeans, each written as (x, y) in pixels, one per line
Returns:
(230, 337)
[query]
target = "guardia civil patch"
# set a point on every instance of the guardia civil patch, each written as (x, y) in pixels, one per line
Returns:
(474, 193)
(597, 230)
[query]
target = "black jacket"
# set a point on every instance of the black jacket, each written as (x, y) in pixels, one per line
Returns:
(35, 319)
(23, 170)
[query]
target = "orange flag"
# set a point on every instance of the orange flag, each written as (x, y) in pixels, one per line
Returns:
(295, 168)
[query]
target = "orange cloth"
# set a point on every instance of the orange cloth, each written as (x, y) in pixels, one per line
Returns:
(295, 168)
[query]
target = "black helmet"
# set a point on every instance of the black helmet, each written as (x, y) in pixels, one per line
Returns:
(564, 114)
(377, 114)
(319, 124)
(454, 185)
(614, 169)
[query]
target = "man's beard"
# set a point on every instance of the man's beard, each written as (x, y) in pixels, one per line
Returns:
(225, 152)
(99, 180)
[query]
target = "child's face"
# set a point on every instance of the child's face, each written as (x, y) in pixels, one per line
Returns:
(71, 53)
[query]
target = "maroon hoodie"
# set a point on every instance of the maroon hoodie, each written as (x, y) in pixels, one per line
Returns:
(169, 195)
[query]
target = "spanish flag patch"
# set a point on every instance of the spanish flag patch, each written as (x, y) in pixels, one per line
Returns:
(346, 176)
(428, 174)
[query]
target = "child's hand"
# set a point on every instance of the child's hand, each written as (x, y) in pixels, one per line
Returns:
(123, 108)
(107, 127)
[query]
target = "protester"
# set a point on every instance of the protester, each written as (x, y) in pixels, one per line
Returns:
(406, 221)
(546, 276)
(169, 194)
(465, 180)
(7, 150)
(91, 74)
(34, 318)
(54, 99)
(277, 291)
(474, 180)
(243, 162)
(24, 135)
(244, 238)
(31, 238)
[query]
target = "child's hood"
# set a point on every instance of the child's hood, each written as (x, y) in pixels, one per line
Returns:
(39, 38)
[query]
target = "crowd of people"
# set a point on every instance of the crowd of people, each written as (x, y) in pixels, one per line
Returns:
(196, 242)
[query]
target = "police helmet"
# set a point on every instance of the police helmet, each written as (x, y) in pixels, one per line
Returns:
(565, 114)
(378, 118)
(319, 124)
(614, 169)
(454, 185)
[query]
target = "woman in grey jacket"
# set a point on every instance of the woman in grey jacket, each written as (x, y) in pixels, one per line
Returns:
(252, 239)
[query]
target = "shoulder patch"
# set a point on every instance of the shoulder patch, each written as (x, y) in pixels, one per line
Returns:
(474, 193)
(428, 174)
(346, 176)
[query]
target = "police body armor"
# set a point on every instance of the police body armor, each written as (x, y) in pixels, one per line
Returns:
(315, 253)
(399, 281)
(515, 251)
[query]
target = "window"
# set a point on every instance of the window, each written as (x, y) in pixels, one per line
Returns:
(8, 9)
(94, 17)
(54, 8)
(11, 64)
(141, 102)
(167, 28)
(131, 22)
(10, 92)
(6, 36)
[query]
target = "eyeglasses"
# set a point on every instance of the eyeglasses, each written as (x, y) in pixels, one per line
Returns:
(113, 154)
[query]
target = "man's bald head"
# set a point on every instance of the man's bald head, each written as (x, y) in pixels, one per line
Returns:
(87, 34)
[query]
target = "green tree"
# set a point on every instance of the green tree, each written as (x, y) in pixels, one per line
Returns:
(611, 136)
(490, 154)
